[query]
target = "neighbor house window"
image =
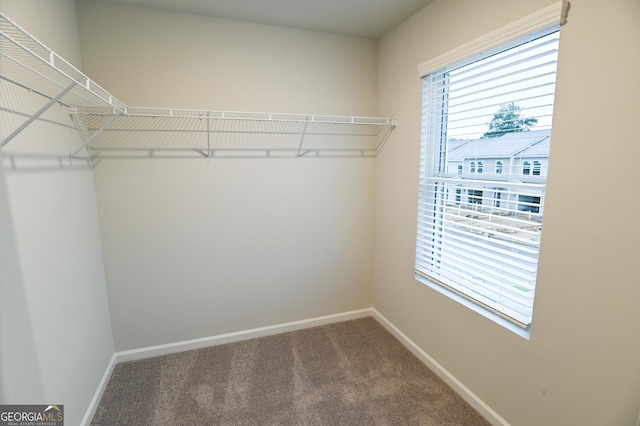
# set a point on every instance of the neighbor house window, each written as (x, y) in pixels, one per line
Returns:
(475, 196)
(485, 255)
(529, 203)
(536, 168)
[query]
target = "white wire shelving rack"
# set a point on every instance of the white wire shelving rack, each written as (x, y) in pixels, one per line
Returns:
(155, 131)
(27, 62)
(112, 129)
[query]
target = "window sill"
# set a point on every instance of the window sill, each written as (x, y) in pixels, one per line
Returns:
(478, 309)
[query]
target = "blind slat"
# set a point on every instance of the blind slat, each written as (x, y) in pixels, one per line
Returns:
(479, 229)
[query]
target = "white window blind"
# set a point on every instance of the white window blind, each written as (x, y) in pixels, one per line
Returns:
(479, 231)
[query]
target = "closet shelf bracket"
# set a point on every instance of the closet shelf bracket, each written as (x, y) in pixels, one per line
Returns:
(91, 138)
(38, 113)
(304, 132)
(386, 133)
(208, 136)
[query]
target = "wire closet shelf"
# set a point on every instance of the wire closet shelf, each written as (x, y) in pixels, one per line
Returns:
(112, 128)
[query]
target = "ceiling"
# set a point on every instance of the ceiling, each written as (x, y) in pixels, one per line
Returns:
(361, 18)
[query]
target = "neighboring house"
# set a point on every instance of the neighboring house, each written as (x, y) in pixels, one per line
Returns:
(499, 173)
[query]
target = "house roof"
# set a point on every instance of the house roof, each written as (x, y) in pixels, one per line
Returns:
(522, 144)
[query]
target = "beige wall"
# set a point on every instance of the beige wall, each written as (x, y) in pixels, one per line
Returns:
(581, 364)
(19, 370)
(153, 58)
(55, 340)
(54, 23)
(195, 249)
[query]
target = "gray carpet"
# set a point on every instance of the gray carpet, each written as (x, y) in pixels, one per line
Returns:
(348, 373)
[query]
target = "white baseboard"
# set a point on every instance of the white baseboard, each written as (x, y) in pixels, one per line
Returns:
(152, 351)
(170, 348)
(95, 401)
(464, 392)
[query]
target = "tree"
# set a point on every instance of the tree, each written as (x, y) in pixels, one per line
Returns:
(508, 119)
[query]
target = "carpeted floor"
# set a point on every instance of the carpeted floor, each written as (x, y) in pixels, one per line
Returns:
(348, 373)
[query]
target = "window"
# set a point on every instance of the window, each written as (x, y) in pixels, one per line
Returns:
(485, 254)
(459, 169)
(536, 168)
(475, 196)
(529, 203)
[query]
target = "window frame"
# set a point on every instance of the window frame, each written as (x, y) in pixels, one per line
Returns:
(551, 15)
